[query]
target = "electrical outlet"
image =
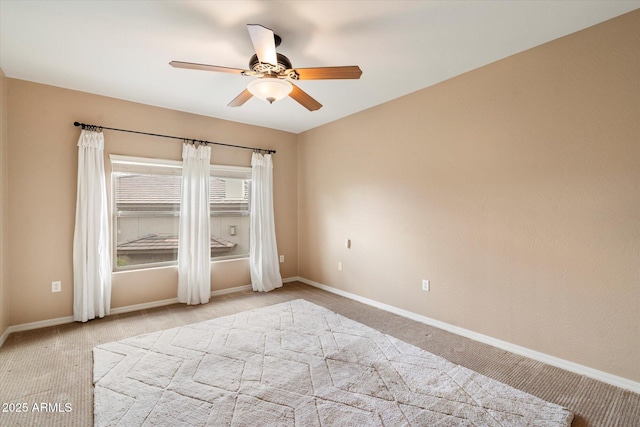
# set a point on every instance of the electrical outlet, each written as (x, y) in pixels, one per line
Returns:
(56, 286)
(281, 258)
(425, 285)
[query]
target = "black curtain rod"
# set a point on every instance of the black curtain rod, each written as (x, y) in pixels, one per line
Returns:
(100, 128)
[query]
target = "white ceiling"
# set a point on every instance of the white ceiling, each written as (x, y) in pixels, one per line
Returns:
(122, 49)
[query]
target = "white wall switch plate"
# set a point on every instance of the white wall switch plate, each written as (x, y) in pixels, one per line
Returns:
(425, 285)
(281, 258)
(339, 265)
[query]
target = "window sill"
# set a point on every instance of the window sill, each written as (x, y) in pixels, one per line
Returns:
(174, 265)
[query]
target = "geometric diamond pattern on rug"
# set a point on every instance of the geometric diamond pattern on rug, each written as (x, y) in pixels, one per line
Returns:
(155, 369)
(284, 374)
(297, 364)
(256, 412)
(356, 378)
(219, 371)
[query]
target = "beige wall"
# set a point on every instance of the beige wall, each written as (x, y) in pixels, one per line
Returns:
(514, 188)
(4, 303)
(42, 147)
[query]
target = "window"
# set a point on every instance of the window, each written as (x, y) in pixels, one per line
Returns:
(146, 211)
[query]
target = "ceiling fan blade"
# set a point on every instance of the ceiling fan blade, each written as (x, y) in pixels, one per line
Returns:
(304, 99)
(204, 67)
(244, 96)
(322, 73)
(264, 43)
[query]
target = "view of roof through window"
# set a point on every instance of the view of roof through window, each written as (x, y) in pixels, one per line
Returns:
(162, 192)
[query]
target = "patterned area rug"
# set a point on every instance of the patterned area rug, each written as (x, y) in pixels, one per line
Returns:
(297, 364)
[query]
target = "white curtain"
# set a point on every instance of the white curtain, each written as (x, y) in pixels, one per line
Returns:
(194, 244)
(263, 252)
(91, 260)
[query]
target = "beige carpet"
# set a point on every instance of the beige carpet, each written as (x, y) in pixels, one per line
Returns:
(297, 364)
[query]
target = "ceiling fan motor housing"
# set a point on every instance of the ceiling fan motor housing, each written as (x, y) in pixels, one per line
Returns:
(279, 68)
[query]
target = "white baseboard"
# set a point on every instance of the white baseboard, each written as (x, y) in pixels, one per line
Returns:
(504, 345)
(143, 306)
(39, 324)
(231, 290)
(523, 351)
(4, 336)
(118, 310)
(162, 303)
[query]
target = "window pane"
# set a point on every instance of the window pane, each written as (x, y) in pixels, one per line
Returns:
(229, 217)
(147, 218)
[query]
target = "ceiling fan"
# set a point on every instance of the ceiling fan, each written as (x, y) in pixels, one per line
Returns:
(274, 72)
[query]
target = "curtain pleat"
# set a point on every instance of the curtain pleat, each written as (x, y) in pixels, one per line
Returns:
(91, 257)
(194, 244)
(263, 252)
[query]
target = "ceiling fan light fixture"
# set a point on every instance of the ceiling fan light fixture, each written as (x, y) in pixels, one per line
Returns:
(270, 89)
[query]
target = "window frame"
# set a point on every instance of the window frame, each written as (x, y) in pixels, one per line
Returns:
(222, 171)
